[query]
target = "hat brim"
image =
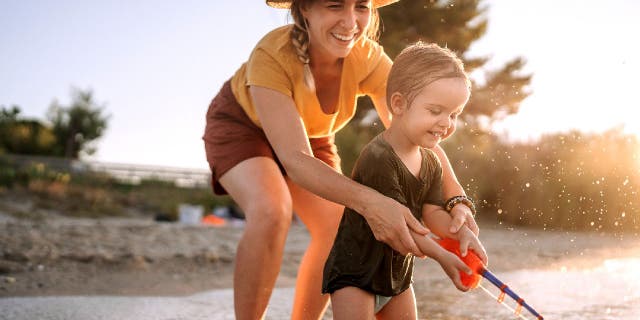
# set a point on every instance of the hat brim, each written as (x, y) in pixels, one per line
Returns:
(286, 4)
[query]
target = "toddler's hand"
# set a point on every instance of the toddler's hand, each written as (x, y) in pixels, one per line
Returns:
(468, 240)
(452, 266)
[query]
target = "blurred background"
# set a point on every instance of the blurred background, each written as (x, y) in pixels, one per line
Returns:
(103, 104)
(102, 110)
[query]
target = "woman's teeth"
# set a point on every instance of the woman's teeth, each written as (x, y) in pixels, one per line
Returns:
(344, 37)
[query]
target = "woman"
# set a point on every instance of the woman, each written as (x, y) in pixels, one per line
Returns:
(269, 143)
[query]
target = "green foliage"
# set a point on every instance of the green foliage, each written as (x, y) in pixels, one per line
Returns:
(457, 25)
(24, 136)
(77, 125)
(500, 96)
(571, 181)
(454, 24)
(93, 194)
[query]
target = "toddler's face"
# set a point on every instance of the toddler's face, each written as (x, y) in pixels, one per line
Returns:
(434, 111)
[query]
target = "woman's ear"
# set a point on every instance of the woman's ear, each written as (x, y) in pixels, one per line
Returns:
(304, 11)
(398, 103)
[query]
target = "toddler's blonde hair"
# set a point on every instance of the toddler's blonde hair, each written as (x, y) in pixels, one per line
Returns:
(420, 64)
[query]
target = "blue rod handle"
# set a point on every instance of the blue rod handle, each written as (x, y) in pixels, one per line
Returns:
(500, 285)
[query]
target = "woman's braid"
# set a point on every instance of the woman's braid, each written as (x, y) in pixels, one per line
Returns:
(300, 41)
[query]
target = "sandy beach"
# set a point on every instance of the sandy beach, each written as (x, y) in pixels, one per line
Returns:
(68, 257)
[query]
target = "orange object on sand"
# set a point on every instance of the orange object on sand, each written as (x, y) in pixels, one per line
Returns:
(213, 220)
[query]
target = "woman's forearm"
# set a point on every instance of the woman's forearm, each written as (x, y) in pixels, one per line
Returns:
(317, 177)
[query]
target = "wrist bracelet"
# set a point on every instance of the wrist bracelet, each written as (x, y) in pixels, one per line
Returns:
(453, 201)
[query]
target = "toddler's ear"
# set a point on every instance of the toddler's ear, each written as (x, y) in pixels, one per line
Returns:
(398, 103)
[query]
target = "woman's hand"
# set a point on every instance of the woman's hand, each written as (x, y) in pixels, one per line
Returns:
(463, 216)
(390, 222)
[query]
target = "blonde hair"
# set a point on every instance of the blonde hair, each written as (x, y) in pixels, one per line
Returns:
(420, 64)
(300, 36)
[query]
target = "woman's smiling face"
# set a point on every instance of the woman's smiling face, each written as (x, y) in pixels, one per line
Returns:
(335, 26)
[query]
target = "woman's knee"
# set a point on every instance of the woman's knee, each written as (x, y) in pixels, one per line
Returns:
(271, 215)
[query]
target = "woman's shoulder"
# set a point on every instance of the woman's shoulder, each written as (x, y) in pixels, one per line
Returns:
(367, 51)
(369, 62)
(276, 40)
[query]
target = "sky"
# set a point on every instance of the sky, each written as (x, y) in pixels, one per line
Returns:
(155, 66)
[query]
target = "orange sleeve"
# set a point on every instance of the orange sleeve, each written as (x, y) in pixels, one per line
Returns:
(265, 71)
(379, 66)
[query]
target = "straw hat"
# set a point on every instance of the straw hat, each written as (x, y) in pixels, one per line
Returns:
(286, 4)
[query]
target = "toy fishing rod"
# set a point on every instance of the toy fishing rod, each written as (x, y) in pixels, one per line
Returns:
(473, 280)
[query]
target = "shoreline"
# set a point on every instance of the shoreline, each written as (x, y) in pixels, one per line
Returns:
(138, 257)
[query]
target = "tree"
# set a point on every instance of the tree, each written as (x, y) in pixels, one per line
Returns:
(77, 125)
(23, 136)
(456, 25)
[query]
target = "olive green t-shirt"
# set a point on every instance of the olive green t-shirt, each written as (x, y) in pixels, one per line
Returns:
(357, 259)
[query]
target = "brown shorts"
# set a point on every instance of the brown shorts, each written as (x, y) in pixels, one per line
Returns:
(230, 137)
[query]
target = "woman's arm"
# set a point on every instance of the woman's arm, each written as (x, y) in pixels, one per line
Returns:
(286, 133)
(380, 103)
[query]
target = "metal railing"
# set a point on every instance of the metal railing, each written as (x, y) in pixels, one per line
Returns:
(127, 173)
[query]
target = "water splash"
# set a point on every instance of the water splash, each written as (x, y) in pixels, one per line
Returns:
(610, 290)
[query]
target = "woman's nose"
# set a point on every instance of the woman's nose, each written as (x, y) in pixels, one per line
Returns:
(349, 18)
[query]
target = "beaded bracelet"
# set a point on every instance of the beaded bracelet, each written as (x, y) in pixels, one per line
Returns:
(453, 201)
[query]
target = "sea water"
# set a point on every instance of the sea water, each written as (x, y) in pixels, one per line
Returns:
(609, 290)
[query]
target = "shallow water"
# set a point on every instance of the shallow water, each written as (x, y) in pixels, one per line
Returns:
(610, 290)
(606, 291)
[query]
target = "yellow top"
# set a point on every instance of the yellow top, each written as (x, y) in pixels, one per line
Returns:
(274, 64)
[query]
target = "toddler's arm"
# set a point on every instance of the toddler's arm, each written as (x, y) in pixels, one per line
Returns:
(438, 221)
